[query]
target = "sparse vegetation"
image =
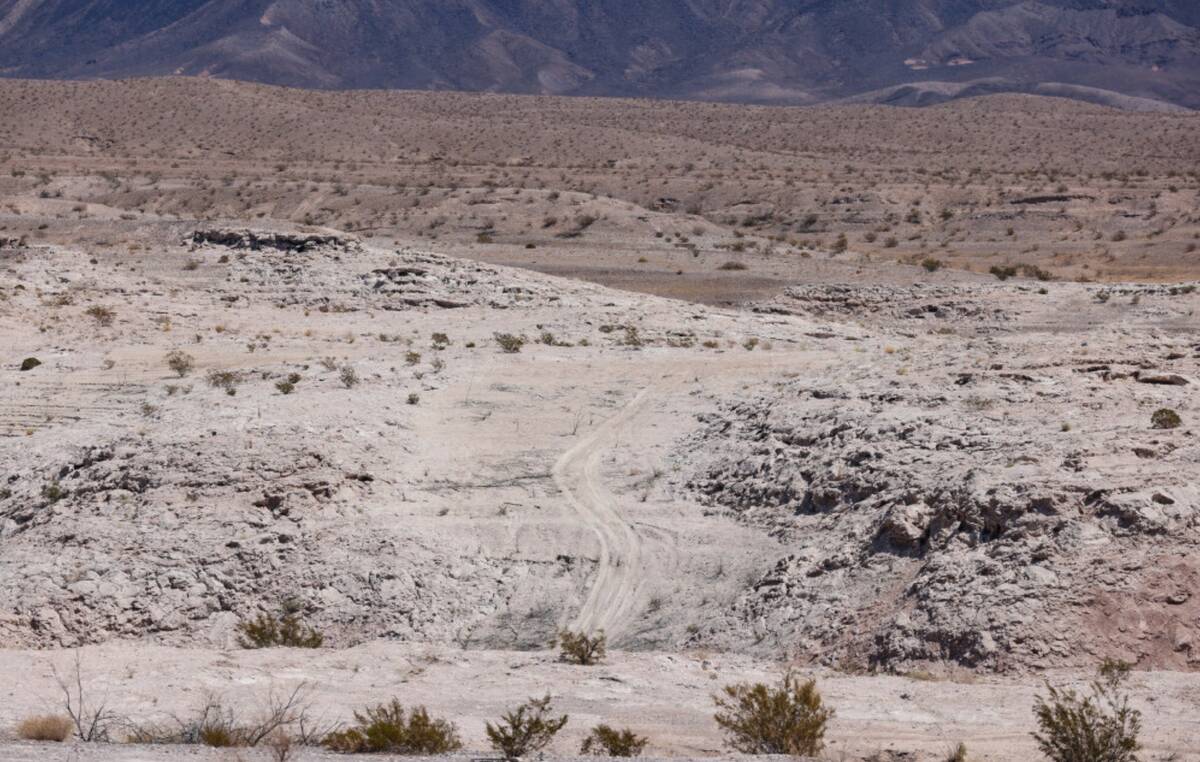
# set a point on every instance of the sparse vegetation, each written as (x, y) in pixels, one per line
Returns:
(605, 741)
(282, 631)
(389, 729)
(510, 343)
(526, 730)
(1166, 418)
(180, 362)
(580, 648)
(103, 316)
(1100, 727)
(760, 719)
(46, 727)
(348, 376)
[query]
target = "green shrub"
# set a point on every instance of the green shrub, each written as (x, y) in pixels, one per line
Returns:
(284, 631)
(1166, 418)
(529, 729)
(579, 648)
(285, 387)
(29, 363)
(604, 741)
(759, 719)
(388, 729)
(1100, 727)
(510, 343)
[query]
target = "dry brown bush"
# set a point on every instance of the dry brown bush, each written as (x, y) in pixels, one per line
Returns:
(46, 727)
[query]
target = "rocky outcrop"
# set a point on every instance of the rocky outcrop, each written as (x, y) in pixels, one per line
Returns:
(945, 517)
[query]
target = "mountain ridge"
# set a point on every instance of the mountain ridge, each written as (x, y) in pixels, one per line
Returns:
(763, 51)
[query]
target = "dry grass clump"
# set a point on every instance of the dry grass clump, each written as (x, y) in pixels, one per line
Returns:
(759, 719)
(579, 648)
(388, 729)
(45, 727)
(605, 741)
(528, 729)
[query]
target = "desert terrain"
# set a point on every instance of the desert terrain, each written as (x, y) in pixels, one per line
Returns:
(904, 400)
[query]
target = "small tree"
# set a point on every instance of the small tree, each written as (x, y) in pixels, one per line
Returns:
(759, 719)
(578, 648)
(388, 729)
(1097, 728)
(529, 729)
(604, 741)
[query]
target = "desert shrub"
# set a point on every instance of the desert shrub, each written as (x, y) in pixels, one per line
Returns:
(579, 648)
(101, 314)
(958, 754)
(528, 729)
(510, 343)
(1166, 418)
(284, 631)
(224, 379)
(29, 363)
(219, 726)
(53, 492)
(413, 398)
(439, 341)
(731, 266)
(46, 727)
(388, 729)
(1100, 727)
(759, 719)
(348, 376)
(285, 387)
(932, 264)
(1003, 272)
(180, 362)
(412, 358)
(604, 741)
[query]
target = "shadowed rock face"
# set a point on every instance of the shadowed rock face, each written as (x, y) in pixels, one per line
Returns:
(793, 51)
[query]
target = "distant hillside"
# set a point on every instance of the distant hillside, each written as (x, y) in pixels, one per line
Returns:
(1130, 53)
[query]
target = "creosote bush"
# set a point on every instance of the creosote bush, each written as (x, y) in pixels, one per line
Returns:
(180, 362)
(760, 719)
(1100, 727)
(388, 729)
(284, 631)
(579, 648)
(102, 315)
(1166, 419)
(47, 727)
(605, 741)
(528, 729)
(510, 343)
